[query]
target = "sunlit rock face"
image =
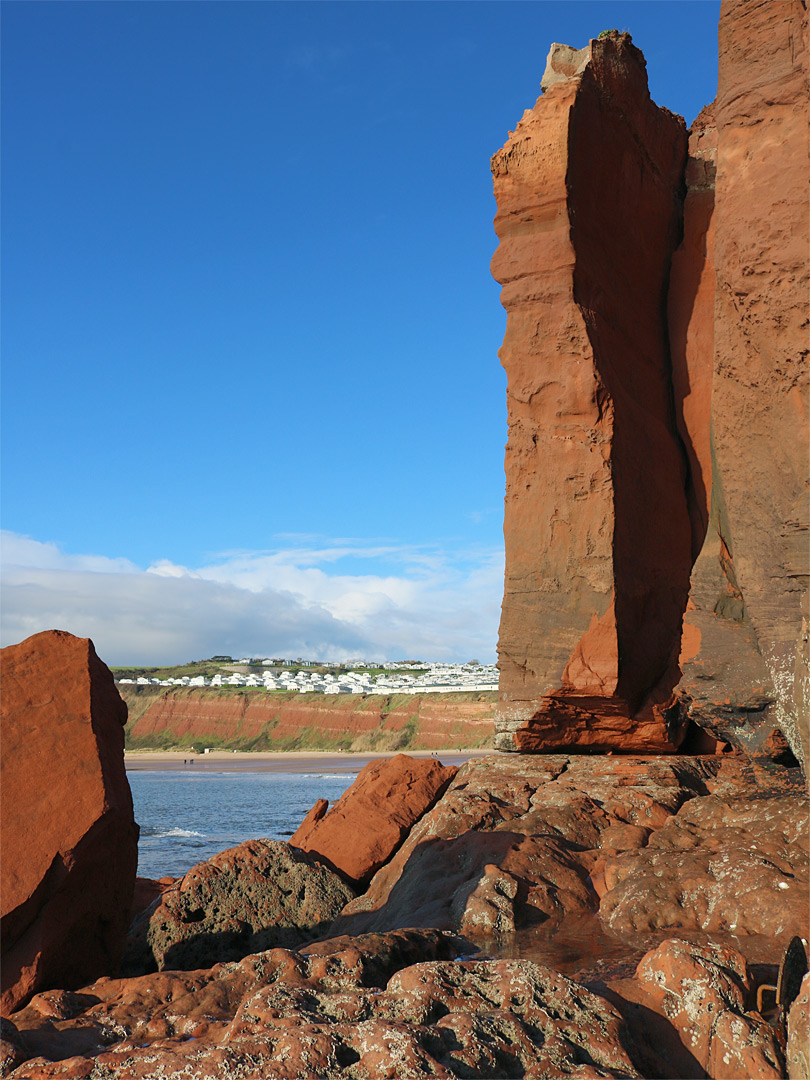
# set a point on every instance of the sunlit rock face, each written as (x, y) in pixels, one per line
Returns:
(745, 659)
(656, 516)
(69, 838)
(597, 526)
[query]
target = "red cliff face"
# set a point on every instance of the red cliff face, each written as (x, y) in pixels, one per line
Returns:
(744, 649)
(255, 720)
(658, 402)
(589, 213)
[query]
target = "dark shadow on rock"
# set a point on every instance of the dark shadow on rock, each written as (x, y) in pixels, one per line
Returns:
(435, 884)
(654, 1045)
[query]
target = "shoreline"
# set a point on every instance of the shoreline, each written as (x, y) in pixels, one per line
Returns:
(337, 761)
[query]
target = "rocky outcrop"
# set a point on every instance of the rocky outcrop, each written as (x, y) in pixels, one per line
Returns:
(258, 895)
(256, 720)
(745, 659)
(697, 1005)
(658, 404)
(372, 818)
(517, 841)
(589, 214)
(404, 1004)
(69, 839)
(717, 865)
(317, 1015)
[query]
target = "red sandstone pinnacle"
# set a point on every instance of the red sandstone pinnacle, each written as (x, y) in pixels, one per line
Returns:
(597, 527)
(69, 839)
(370, 821)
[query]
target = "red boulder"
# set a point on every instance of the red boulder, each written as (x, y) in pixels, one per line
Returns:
(69, 838)
(369, 822)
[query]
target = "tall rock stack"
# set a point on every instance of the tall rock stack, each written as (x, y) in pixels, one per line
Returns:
(589, 200)
(656, 353)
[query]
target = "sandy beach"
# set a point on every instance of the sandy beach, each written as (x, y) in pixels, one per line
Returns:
(304, 762)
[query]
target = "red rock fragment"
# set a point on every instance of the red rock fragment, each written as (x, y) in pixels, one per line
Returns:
(370, 821)
(69, 839)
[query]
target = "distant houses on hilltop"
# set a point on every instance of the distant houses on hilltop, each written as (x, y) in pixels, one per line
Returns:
(438, 679)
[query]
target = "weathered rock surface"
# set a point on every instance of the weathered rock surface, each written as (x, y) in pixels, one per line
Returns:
(739, 865)
(798, 1034)
(404, 1004)
(69, 839)
(323, 1013)
(371, 819)
(589, 214)
(683, 842)
(258, 895)
(253, 720)
(695, 1004)
(746, 670)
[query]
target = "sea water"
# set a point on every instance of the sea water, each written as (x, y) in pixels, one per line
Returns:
(188, 817)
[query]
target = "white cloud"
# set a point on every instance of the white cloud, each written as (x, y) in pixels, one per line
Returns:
(429, 603)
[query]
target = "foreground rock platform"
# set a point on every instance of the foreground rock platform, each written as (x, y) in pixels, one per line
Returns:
(402, 1005)
(696, 867)
(667, 843)
(69, 838)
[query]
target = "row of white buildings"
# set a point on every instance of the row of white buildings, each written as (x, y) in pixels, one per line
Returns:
(438, 679)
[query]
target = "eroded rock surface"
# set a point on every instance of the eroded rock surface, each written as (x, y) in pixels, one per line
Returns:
(260, 894)
(692, 1010)
(633, 340)
(404, 1004)
(325, 1012)
(683, 842)
(372, 818)
(69, 839)
(798, 1034)
(739, 866)
(761, 380)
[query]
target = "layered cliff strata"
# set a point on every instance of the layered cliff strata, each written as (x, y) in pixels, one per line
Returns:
(656, 352)
(597, 529)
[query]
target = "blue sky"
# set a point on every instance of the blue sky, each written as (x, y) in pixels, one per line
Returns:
(251, 394)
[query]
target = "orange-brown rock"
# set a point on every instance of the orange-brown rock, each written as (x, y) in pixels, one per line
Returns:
(597, 528)
(147, 890)
(690, 317)
(696, 1005)
(718, 865)
(372, 818)
(797, 1051)
(69, 839)
(700, 843)
(392, 1005)
(321, 1014)
(253, 719)
(745, 656)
